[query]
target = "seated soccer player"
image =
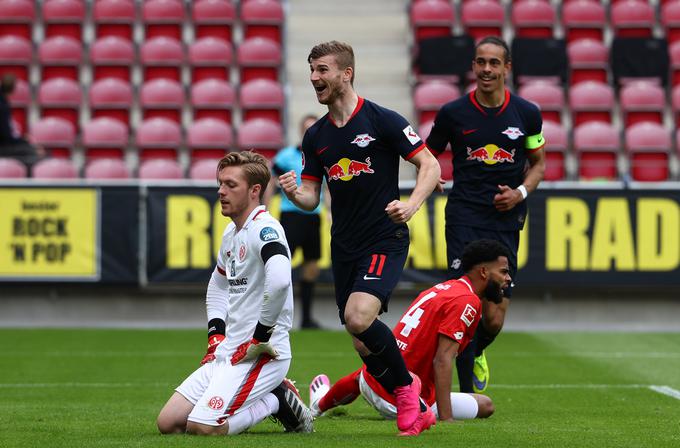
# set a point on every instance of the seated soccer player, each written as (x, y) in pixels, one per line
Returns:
(249, 304)
(436, 327)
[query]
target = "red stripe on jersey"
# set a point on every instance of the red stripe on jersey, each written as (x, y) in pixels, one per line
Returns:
(505, 102)
(360, 103)
(475, 103)
(309, 177)
(373, 261)
(258, 214)
(221, 270)
(247, 386)
(380, 266)
(531, 151)
(415, 151)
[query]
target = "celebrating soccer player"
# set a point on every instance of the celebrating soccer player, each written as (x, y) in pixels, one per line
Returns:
(357, 146)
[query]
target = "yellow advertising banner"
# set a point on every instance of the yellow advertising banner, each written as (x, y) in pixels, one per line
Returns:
(49, 233)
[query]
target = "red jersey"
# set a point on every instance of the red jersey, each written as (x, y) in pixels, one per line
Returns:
(451, 309)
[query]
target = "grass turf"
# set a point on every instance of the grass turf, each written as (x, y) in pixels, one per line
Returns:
(104, 388)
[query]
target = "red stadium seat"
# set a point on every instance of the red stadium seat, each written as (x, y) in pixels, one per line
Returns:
(591, 101)
(160, 169)
(60, 97)
(259, 57)
(445, 158)
(648, 146)
(262, 18)
(597, 145)
(556, 146)
(63, 18)
(105, 138)
(56, 135)
(214, 18)
(262, 98)
(60, 57)
(429, 97)
(209, 138)
(20, 99)
(212, 98)
(17, 18)
(210, 57)
(548, 97)
(113, 98)
(674, 56)
(163, 18)
(55, 169)
(670, 18)
(432, 18)
(588, 61)
(483, 18)
(642, 101)
(112, 57)
(203, 169)
(261, 135)
(107, 169)
(584, 19)
(15, 56)
(114, 18)
(533, 18)
(162, 57)
(12, 169)
(158, 138)
(162, 98)
(632, 18)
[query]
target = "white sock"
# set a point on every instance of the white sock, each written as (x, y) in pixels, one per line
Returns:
(254, 414)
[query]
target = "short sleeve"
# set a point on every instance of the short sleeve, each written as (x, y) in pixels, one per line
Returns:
(312, 168)
(534, 130)
(400, 134)
(439, 135)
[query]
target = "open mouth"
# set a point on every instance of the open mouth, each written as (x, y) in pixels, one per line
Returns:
(320, 88)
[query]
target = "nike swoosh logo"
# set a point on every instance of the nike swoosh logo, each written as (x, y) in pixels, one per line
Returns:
(366, 277)
(539, 140)
(468, 131)
(480, 385)
(319, 151)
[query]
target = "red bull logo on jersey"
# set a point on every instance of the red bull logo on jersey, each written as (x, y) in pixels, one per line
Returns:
(513, 133)
(362, 140)
(345, 169)
(491, 154)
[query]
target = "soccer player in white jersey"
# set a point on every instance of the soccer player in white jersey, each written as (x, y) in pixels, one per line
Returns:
(250, 310)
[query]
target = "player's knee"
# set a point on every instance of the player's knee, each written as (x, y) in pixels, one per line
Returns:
(205, 430)
(356, 323)
(485, 407)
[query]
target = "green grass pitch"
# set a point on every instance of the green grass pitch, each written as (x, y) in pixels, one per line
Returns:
(104, 388)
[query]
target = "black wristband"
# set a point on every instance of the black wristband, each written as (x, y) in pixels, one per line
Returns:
(262, 332)
(216, 326)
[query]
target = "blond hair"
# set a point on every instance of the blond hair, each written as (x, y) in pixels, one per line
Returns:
(255, 168)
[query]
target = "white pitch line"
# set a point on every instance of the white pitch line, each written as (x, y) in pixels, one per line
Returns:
(666, 390)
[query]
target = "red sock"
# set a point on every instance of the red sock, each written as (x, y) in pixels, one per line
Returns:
(344, 391)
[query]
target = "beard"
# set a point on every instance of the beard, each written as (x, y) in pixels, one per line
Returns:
(493, 292)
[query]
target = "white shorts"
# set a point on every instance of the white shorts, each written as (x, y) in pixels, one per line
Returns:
(218, 390)
(464, 406)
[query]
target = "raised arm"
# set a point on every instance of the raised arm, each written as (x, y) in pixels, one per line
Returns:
(429, 173)
(306, 195)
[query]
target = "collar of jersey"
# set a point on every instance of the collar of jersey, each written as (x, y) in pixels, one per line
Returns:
(256, 211)
(356, 111)
(481, 108)
(466, 280)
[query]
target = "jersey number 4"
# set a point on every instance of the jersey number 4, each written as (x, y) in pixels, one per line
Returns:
(412, 317)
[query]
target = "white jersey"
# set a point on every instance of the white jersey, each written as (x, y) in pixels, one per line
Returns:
(240, 261)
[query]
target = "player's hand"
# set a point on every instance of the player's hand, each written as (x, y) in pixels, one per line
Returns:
(213, 342)
(439, 188)
(251, 350)
(288, 183)
(400, 212)
(507, 198)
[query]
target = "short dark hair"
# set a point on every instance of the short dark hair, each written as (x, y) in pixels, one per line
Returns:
(495, 41)
(344, 54)
(482, 251)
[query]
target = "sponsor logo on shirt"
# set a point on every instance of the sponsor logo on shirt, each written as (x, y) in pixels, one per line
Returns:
(513, 133)
(268, 234)
(411, 135)
(362, 140)
(216, 403)
(491, 154)
(238, 281)
(345, 169)
(468, 315)
(242, 252)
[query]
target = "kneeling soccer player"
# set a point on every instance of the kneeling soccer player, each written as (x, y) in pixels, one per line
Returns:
(250, 310)
(436, 327)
